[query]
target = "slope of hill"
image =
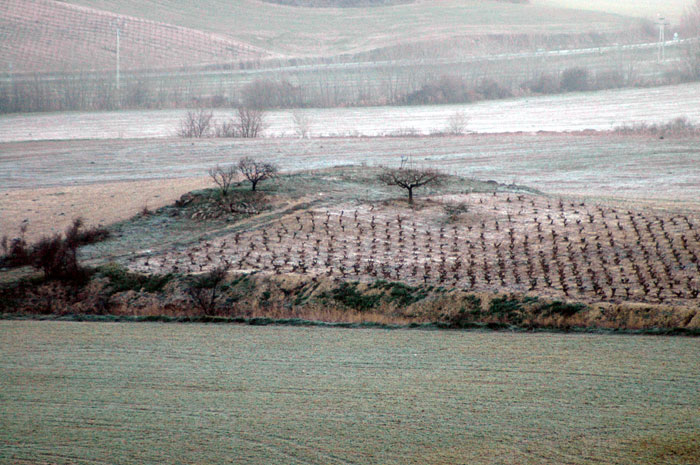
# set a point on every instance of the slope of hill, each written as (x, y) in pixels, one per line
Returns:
(672, 9)
(45, 35)
(330, 31)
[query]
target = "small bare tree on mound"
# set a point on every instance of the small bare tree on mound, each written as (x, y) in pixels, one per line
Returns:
(196, 123)
(223, 177)
(256, 171)
(411, 178)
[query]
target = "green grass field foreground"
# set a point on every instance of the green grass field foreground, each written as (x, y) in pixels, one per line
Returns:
(85, 393)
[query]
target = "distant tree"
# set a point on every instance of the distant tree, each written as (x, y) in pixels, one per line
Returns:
(457, 123)
(690, 21)
(223, 177)
(256, 171)
(411, 178)
(250, 122)
(302, 124)
(196, 123)
(690, 28)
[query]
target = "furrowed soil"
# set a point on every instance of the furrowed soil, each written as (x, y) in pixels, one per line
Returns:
(160, 393)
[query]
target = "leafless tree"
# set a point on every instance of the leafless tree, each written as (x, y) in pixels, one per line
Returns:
(256, 171)
(690, 28)
(196, 123)
(204, 289)
(411, 178)
(302, 124)
(457, 123)
(250, 122)
(226, 129)
(223, 177)
(690, 21)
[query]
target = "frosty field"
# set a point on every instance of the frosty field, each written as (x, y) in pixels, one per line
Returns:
(601, 111)
(88, 393)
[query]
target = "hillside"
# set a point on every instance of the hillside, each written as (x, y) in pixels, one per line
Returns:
(328, 31)
(672, 9)
(45, 35)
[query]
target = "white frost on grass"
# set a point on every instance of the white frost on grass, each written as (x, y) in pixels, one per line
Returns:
(602, 110)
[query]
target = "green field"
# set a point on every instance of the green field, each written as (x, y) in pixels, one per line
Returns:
(166, 393)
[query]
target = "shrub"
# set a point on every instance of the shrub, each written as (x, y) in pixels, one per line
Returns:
(491, 90)
(121, 279)
(56, 256)
(467, 314)
(609, 80)
(265, 93)
(402, 294)
(348, 295)
(504, 306)
(545, 84)
(575, 79)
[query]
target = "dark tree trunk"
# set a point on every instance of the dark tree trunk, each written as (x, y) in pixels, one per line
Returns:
(410, 195)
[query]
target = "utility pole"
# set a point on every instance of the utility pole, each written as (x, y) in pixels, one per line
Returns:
(662, 23)
(117, 57)
(116, 23)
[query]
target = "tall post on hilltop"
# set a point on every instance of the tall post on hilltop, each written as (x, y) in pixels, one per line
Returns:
(118, 52)
(662, 22)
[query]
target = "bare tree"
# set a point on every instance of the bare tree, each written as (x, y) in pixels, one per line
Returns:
(690, 21)
(457, 123)
(223, 177)
(250, 122)
(203, 289)
(256, 171)
(411, 178)
(690, 28)
(196, 123)
(302, 124)
(226, 129)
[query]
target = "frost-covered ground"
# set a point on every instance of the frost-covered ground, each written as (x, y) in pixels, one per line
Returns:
(571, 112)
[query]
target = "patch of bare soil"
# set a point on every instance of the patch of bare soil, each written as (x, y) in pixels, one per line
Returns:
(52, 209)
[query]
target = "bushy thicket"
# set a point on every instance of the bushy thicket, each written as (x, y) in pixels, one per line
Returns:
(56, 256)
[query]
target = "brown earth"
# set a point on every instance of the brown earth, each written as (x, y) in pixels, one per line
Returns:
(51, 209)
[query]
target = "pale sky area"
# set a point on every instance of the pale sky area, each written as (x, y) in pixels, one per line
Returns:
(673, 9)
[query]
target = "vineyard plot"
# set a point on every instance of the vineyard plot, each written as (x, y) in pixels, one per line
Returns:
(501, 242)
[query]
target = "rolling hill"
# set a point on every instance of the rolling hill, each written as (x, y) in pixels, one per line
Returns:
(50, 36)
(80, 35)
